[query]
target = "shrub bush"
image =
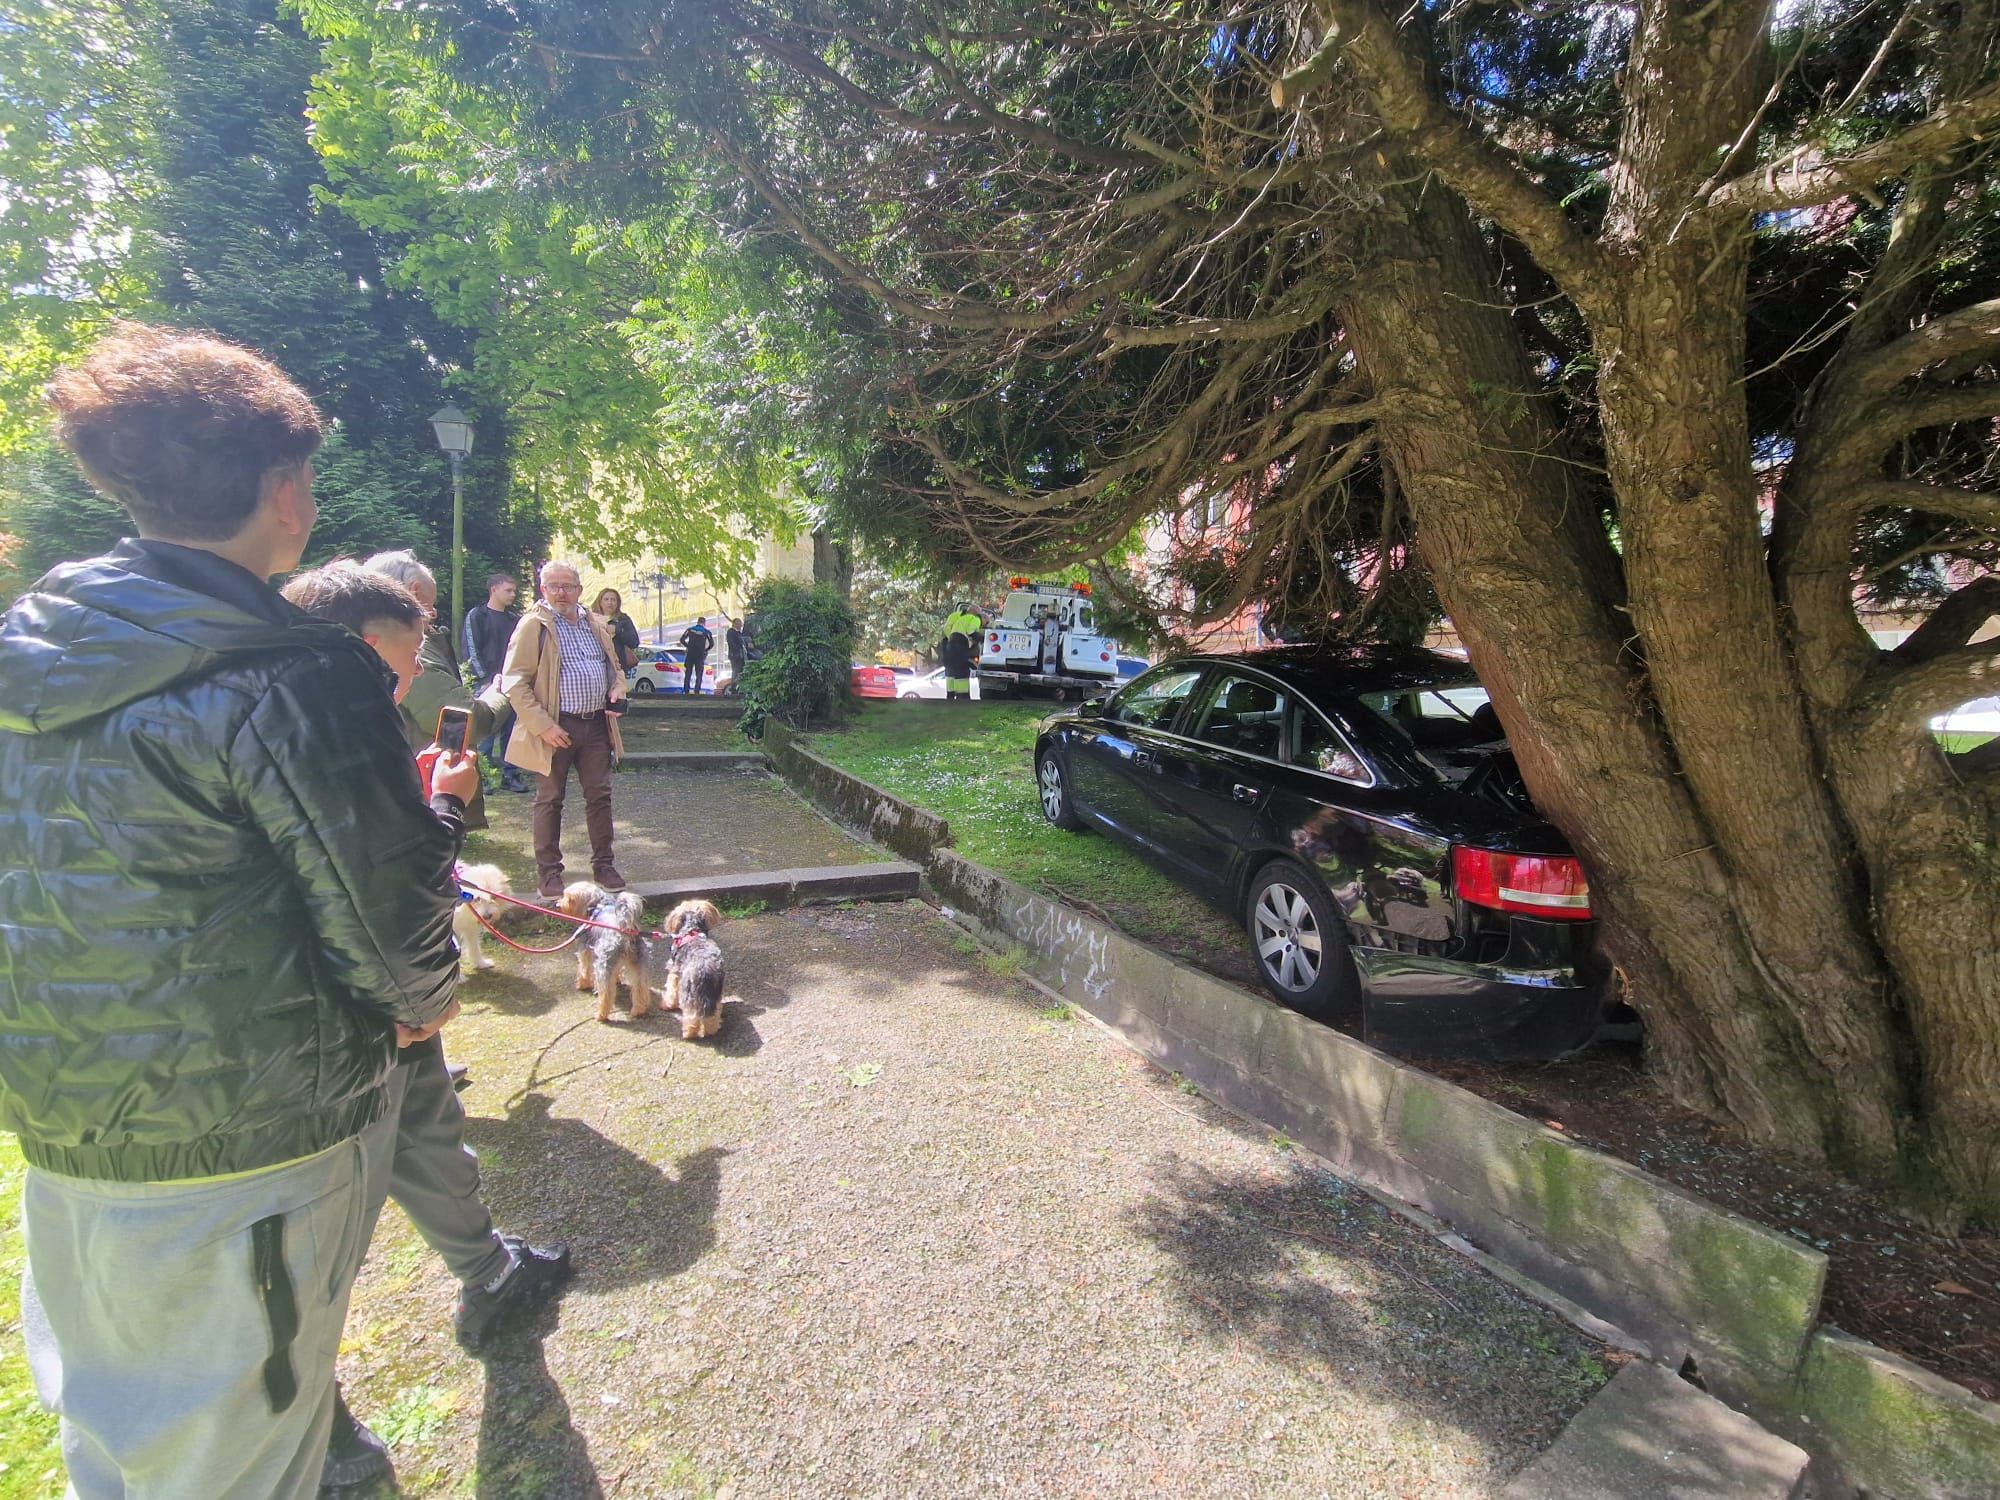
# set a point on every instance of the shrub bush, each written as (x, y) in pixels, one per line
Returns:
(803, 638)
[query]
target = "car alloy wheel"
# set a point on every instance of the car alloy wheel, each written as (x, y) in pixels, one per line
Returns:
(1054, 792)
(1289, 942)
(1300, 942)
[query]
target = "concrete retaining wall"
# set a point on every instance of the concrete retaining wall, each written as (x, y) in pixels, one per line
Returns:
(1685, 1277)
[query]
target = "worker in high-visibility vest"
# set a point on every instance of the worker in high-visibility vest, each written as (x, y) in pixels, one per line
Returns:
(963, 632)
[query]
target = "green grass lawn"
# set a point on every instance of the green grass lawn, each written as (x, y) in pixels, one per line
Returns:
(1956, 744)
(30, 1462)
(974, 768)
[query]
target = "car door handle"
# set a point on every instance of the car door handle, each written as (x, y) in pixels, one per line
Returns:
(1244, 793)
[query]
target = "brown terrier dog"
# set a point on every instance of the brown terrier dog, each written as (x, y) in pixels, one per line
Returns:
(694, 968)
(611, 952)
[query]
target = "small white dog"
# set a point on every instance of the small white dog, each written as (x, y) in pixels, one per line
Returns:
(489, 881)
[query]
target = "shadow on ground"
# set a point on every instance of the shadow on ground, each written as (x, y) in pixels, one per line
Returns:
(627, 1221)
(1323, 1280)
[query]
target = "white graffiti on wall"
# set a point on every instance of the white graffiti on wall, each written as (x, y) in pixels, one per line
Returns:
(1079, 947)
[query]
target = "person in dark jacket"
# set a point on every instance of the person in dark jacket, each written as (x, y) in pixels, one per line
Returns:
(488, 629)
(434, 1176)
(734, 643)
(223, 904)
(697, 641)
(624, 634)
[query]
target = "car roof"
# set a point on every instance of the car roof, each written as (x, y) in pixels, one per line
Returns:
(1350, 669)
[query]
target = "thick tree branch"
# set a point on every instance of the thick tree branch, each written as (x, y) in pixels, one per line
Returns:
(1490, 179)
(1966, 331)
(1953, 622)
(1198, 330)
(1798, 181)
(1940, 406)
(1977, 507)
(1910, 694)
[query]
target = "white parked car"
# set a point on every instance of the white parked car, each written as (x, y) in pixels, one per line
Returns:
(928, 685)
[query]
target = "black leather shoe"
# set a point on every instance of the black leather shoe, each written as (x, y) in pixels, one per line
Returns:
(355, 1457)
(535, 1274)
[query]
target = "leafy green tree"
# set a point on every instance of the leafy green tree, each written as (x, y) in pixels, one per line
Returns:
(664, 379)
(156, 163)
(74, 119)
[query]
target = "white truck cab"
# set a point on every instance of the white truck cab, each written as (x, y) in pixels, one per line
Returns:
(1014, 641)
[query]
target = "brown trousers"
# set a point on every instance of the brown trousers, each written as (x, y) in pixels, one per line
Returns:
(590, 752)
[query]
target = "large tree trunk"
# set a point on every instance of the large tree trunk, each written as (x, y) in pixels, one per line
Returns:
(833, 561)
(1677, 449)
(1524, 566)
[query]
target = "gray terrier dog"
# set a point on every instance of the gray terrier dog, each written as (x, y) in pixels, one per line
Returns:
(693, 968)
(604, 956)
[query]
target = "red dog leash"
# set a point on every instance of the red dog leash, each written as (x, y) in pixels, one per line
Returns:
(547, 911)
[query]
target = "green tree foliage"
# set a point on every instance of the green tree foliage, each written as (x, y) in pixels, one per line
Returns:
(170, 175)
(74, 119)
(804, 639)
(668, 381)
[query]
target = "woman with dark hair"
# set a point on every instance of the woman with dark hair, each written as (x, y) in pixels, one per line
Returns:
(624, 634)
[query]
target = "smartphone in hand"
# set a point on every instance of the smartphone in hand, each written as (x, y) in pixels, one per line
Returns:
(454, 727)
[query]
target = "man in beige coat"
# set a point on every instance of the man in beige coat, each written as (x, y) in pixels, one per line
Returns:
(563, 678)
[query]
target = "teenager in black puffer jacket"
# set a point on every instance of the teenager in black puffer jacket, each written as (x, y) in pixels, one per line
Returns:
(223, 902)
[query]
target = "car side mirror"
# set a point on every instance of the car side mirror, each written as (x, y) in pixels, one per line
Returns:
(1090, 708)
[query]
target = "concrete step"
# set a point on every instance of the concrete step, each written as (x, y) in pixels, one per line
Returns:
(704, 706)
(891, 880)
(1650, 1434)
(694, 760)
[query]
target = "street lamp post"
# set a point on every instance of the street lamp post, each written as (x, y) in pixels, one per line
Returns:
(454, 435)
(659, 583)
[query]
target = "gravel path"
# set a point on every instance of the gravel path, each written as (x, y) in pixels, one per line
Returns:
(905, 1228)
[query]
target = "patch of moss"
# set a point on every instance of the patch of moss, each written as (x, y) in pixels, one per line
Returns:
(1894, 1434)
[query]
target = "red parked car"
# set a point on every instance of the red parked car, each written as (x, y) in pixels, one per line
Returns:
(873, 682)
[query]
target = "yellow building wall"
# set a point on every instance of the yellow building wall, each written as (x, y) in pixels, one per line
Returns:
(775, 559)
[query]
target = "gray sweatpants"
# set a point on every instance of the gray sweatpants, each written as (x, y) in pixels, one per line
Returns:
(186, 1332)
(435, 1176)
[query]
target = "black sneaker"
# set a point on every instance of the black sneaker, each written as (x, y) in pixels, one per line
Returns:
(355, 1457)
(534, 1274)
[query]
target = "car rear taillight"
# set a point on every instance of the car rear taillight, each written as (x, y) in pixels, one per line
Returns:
(1534, 885)
(993, 639)
(1104, 656)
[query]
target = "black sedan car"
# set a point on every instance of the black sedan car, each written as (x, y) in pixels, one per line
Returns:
(1358, 809)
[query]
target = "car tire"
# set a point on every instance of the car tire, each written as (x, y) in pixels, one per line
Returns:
(1298, 940)
(643, 685)
(913, 697)
(1052, 786)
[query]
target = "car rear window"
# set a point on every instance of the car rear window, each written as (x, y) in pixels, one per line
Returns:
(1452, 727)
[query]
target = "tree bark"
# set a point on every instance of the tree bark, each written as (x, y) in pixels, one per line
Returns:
(833, 561)
(1506, 524)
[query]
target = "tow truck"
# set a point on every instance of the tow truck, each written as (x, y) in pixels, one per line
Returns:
(1011, 656)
